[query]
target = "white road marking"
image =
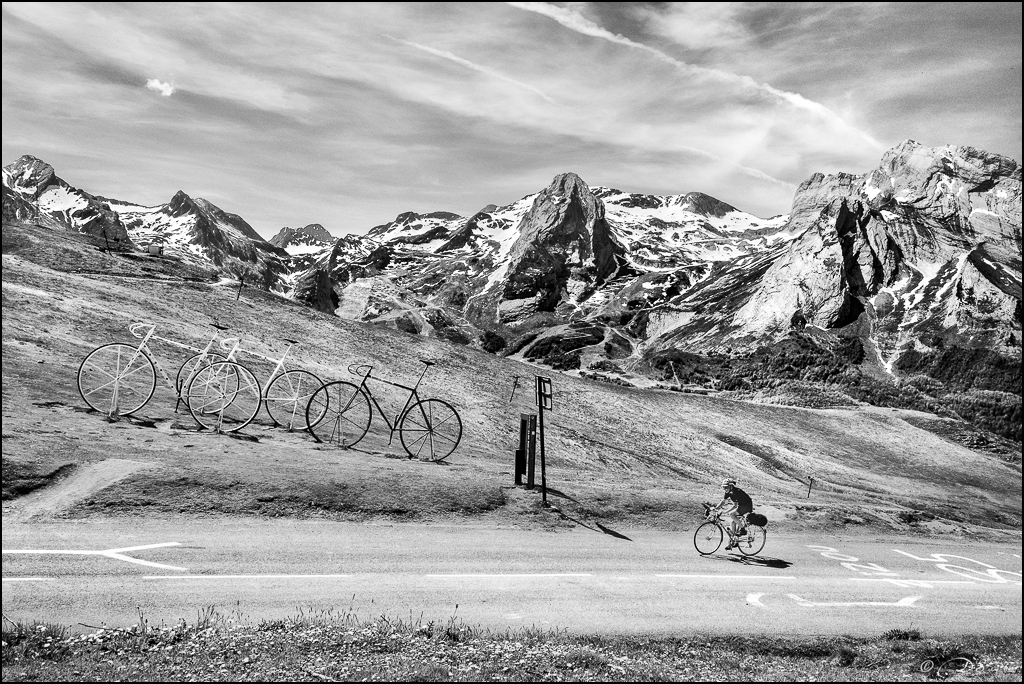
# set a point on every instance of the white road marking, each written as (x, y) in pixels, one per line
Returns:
(990, 608)
(536, 574)
(755, 600)
(907, 602)
(27, 579)
(116, 554)
(762, 577)
(927, 584)
(219, 577)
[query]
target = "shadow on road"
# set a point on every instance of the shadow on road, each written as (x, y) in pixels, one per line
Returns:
(596, 527)
(757, 561)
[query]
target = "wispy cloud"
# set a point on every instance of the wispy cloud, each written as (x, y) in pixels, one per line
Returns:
(573, 20)
(475, 67)
(468, 104)
(165, 89)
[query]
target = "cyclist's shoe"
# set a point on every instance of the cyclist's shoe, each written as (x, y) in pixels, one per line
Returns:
(730, 546)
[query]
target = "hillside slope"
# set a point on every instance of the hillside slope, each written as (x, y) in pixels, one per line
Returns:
(615, 455)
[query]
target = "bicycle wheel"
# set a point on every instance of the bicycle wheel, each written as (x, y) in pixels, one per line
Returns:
(287, 397)
(116, 379)
(344, 414)
(192, 366)
(430, 429)
(751, 543)
(224, 397)
(708, 538)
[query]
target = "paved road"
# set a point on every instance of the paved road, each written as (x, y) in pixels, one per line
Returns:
(649, 582)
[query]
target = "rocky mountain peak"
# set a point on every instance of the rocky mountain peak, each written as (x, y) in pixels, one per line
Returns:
(29, 176)
(181, 204)
(565, 248)
(314, 234)
(705, 205)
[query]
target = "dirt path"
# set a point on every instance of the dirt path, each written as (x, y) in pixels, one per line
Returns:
(64, 493)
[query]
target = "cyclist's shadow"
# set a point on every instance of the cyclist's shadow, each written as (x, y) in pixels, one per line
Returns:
(756, 561)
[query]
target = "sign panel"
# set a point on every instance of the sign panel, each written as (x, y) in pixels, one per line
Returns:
(544, 393)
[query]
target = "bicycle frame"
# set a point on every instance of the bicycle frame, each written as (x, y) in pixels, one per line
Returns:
(147, 332)
(365, 389)
(232, 345)
(716, 518)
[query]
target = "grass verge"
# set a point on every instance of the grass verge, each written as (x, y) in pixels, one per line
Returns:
(328, 646)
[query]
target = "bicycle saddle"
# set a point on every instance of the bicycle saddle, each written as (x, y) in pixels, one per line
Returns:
(285, 339)
(428, 363)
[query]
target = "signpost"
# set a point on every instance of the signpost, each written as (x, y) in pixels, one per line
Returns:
(543, 402)
(529, 425)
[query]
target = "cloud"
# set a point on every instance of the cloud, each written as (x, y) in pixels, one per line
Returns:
(577, 22)
(475, 67)
(165, 89)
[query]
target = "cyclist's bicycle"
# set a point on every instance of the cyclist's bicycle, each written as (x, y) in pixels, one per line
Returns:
(713, 531)
(225, 396)
(119, 379)
(340, 413)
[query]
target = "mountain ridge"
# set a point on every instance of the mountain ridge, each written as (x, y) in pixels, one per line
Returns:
(920, 254)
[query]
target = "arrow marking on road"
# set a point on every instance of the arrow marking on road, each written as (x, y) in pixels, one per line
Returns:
(116, 554)
(755, 600)
(907, 602)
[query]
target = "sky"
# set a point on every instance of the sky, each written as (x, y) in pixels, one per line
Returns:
(349, 114)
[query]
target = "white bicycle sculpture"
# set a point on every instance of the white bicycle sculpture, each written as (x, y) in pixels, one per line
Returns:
(118, 379)
(225, 396)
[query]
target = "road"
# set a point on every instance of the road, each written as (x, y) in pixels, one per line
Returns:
(624, 582)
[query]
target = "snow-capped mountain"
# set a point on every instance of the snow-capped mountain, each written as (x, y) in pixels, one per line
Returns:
(194, 231)
(913, 259)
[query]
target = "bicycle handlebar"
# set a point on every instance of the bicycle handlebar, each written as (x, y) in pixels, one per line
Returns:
(134, 329)
(358, 368)
(229, 343)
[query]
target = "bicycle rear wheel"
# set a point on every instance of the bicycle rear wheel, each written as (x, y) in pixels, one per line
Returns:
(430, 429)
(193, 365)
(708, 538)
(116, 379)
(224, 397)
(344, 414)
(751, 543)
(287, 397)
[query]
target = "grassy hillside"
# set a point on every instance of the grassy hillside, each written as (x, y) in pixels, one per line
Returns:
(616, 455)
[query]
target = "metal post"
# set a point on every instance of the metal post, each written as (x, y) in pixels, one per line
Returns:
(531, 451)
(810, 481)
(241, 284)
(543, 478)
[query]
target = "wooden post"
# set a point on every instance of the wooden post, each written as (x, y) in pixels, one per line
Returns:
(810, 481)
(524, 432)
(241, 284)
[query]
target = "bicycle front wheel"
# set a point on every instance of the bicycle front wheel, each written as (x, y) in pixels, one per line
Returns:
(287, 397)
(338, 413)
(193, 365)
(224, 397)
(430, 429)
(708, 538)
(751, 543)
(116, 379)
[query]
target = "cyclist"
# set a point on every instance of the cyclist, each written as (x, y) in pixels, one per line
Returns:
(735, 504)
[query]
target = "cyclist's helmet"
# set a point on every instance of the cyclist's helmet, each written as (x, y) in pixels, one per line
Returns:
(728, 482)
